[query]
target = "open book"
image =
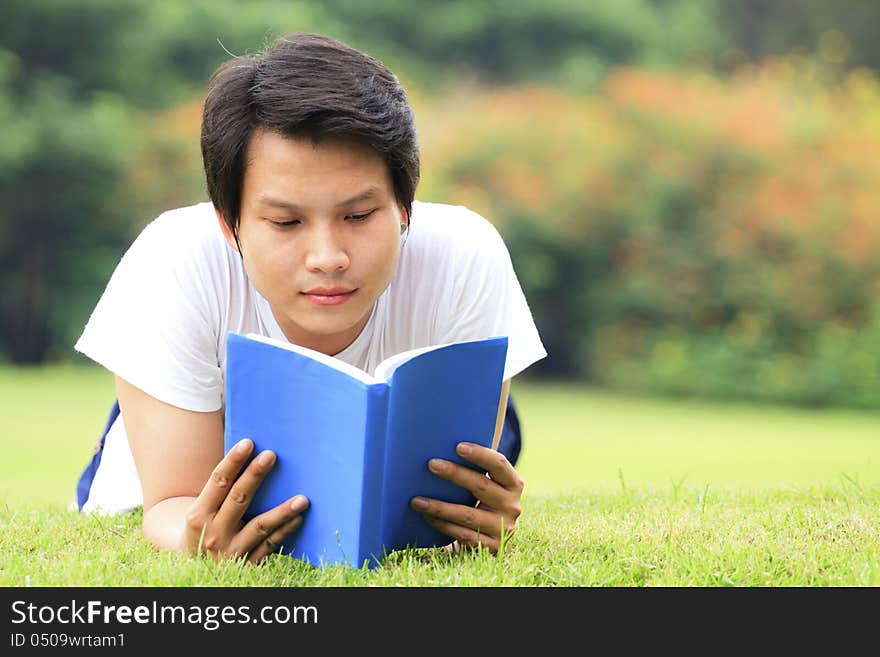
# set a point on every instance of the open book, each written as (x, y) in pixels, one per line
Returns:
(357, 444)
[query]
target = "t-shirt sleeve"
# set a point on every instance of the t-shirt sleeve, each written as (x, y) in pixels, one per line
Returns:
(486, 299)
(155, 324)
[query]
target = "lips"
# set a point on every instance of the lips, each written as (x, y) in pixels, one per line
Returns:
(329, 296)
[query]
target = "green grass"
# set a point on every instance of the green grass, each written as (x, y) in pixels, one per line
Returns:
(581, 438)
(620, 491)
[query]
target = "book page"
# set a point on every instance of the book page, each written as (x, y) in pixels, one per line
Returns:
(335, 363)
(386, 368)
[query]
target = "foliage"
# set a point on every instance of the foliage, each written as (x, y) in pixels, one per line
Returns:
(756, 29)
(91, 95)
(676, 229)
(566, 43)
(61, 173)
(687, 233)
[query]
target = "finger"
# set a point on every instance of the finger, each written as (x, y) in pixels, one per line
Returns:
(464, 535)
(474, 519)
(228, 518)
(265, 525)
(215, 490)
(485, 489)
(274, 540)
(493, 462)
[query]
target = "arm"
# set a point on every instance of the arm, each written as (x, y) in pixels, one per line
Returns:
(194, 497)
(498, 492)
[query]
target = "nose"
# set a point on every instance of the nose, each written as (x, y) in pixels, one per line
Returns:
(325, 251)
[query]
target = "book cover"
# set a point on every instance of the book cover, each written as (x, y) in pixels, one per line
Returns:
(357, 444)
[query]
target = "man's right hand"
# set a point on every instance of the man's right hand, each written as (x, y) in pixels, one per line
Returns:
(194, 496)
(214, 522)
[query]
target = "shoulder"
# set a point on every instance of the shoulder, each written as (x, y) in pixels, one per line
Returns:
(180, 258)
(454, 229)
(181, 229)
(451, 254)
(444, 219)
(158, 323)
(184, 239)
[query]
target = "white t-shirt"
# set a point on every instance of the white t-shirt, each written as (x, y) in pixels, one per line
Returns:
(162, 321)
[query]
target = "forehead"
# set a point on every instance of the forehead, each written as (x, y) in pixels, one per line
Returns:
(302, 162)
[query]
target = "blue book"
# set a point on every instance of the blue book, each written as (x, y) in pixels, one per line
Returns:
(357, 444)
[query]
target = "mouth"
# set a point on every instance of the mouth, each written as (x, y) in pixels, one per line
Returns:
(329, 296)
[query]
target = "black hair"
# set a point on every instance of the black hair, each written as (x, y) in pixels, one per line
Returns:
(304, 85)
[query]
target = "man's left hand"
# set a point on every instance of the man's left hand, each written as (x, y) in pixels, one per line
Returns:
(498, 494)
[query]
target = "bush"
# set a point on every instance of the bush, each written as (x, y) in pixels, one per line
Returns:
(686, 233)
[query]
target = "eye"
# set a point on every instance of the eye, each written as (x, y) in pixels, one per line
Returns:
(285, 224)
(355, 218)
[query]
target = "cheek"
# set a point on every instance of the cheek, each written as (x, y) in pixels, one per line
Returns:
(266, 259)
(383, 259)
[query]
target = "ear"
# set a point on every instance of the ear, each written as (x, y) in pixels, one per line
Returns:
(404, 215)
(227, 231)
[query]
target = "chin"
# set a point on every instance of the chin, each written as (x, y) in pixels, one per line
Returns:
(327, 329)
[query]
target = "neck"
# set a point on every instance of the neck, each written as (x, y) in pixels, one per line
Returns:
(326, 344)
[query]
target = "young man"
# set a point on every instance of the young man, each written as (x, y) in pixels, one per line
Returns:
(312, 235)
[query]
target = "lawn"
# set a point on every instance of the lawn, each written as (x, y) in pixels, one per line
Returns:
(620, 491)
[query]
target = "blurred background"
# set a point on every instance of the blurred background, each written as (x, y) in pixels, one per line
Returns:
(690, 191)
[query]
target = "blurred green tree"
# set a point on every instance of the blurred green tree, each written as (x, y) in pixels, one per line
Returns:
(844, 32)
(61, 169)
(89, 152)
(568, 43)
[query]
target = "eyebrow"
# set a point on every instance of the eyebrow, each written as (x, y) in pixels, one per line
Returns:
(265, 199)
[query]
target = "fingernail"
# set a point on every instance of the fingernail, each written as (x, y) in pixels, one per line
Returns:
(465, 449)
(299, 503)
(266, 458)
(437, 465)
(420, 503)
(243, 445)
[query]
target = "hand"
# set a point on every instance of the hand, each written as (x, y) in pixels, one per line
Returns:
(498, 496)
(214, 521)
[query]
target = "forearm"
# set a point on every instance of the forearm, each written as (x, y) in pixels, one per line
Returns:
(165, 523)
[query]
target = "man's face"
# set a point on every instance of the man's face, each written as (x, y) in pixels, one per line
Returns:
(319, 234)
